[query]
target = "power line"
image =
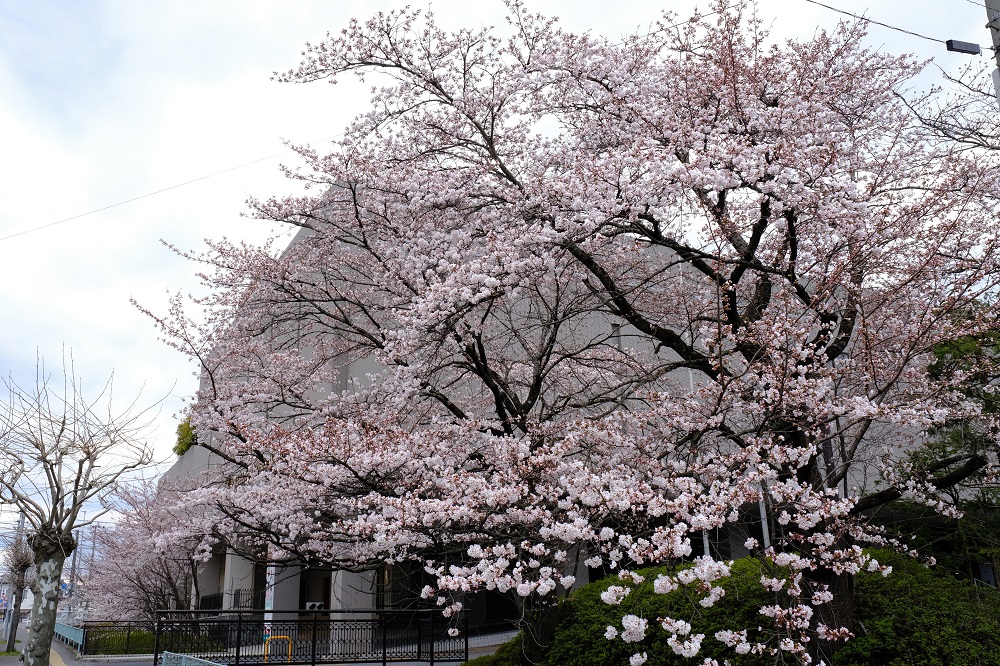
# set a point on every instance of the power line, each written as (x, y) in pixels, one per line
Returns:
(269, 157)
(149, 194)
(252, 162)
(868, 20)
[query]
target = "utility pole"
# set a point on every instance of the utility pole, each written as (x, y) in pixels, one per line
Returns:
(8, 596)
(72, 569)
(71, 589)
(993, 23)
(93, 546)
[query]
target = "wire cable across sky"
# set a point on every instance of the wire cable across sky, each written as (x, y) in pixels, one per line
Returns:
(284, 152)
(884, 25)
(155, 192)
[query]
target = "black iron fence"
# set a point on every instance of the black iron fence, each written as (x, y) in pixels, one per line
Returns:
(241, 599)
(211, 602)
(246, 638)
(248, 599)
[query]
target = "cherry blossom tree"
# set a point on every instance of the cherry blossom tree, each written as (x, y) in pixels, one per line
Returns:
(963, 109)
(558, 300)
(61, 453)
(143, 563)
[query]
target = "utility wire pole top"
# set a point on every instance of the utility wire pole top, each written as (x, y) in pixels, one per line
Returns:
(993, 23)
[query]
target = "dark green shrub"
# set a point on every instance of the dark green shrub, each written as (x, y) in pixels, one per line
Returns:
(113, 640)
(913, 617)
(919, 617)
(580, 641)
(109, 638)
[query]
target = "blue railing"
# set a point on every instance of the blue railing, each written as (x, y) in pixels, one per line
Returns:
(70, 635)
(109, 638)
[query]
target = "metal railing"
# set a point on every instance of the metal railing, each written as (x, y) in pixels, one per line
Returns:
(211, 602)
(119, 637)
(244, 638)
(69, 634)
(109, 638)
(248, 599)
(241, 599)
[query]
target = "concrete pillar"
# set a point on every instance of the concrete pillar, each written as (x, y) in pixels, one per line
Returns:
(352, 590)
(286, 591)
(238, 576)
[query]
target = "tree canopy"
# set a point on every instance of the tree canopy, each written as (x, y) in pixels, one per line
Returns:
(559, 299)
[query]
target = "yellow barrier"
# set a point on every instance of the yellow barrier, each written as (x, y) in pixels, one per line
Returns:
(274, 638)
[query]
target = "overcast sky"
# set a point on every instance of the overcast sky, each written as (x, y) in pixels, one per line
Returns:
(102, 102)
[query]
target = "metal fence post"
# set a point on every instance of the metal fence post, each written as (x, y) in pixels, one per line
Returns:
(433, 637)
(239, 636)
(420, 637)
(128, 639)
(156, 638)
(381, 619)
(313, 661)
(83, 638)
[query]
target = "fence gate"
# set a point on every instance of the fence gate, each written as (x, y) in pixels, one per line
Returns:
(244, 638)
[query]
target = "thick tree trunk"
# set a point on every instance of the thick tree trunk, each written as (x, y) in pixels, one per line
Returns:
(51, 550)
(537, 630)
(41, 627)
(835, 614)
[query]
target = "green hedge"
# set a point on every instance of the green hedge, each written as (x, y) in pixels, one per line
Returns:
(913, 617)
(919, 617)
(114, 641)
(111, 639)
(580, 640)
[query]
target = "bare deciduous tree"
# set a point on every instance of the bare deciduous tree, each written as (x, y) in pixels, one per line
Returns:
(59, 453)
